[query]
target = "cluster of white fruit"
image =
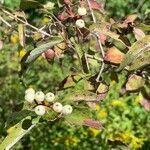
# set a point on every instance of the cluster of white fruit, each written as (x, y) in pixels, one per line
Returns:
(31, 96)
(80, 22)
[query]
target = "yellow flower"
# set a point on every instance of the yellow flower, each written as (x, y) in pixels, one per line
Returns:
(98, 107)
(72, 141)
(136, 142)
(94, 132)
(128, 138)
(22, 53)
(45, 20)
(102, 114)
(14, 38)
(118, 103)
(75, 140)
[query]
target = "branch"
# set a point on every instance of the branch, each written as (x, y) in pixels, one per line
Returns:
(25, 22)
(99, 43)
(92, 13)
(3, 20)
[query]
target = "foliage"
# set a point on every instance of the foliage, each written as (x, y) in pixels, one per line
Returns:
(100, 69)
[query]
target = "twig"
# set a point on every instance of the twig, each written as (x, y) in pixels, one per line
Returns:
(3, 20)
(25, 22)
(94, 57)
(100, 72)
(99, 43)
(92, 13)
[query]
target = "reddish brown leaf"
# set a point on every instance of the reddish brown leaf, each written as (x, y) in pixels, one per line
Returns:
(70, 12)
(113, 55)
(129, 19)
(146, 104)
(93, 123)
(62, 16)
(68, 2)
(95, 5)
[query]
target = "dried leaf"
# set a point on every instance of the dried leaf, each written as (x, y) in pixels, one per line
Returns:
(102, 88)
(129, 19)
(113, 55)
(134, 83)
(93, 123)
(95, 5)
(21, 30)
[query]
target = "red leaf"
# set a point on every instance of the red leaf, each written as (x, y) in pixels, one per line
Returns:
(95, 5)
(67, 2)
(102, 38)
(70, 12)
(93, 123)
(61, 17)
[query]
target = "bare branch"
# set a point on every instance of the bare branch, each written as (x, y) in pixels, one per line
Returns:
(25, 22)
(92, 13)
(4, 21)
(99, 43)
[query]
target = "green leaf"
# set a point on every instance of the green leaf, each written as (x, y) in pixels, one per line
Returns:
(102, 28)
(16, 133)
(76, 118)
(138, 55)
(34, 54)
(29, 4)
(17, 116)
(31, 56)
(12, 3)
(143, 27)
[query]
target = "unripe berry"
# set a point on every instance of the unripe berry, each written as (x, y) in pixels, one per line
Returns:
(39, 96)
(67, 109)
(29, 97)
(57, 107)
(30, 90)
(49, 97)
(82, 11)
(49, 54)
(80, 23)
(40, 110)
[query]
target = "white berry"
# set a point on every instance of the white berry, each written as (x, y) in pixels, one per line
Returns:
(30, 90)
(29, 97)
(49, 97)
(57, 107)
(39, 96)
(67, 109)
(82, 11)
(80, 23)
(40, 110)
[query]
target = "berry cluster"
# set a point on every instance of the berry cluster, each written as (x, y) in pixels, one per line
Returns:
(40, 99)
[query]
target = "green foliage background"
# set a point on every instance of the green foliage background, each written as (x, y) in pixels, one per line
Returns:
(124, 118)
